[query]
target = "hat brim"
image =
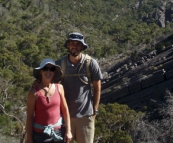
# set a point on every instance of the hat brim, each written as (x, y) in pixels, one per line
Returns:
(57, 75)
(85, 45)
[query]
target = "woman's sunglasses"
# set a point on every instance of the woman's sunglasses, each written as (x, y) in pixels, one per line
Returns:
(52, 69)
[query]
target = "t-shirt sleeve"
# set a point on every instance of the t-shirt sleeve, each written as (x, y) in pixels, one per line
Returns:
(58, 62)
(95, 71)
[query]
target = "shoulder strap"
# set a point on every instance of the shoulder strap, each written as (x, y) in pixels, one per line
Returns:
(37, 90)
(57, 87)
(87, 61)
(87, 64)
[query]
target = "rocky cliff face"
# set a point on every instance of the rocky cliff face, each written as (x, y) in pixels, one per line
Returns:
(141, 82)
(161, 15)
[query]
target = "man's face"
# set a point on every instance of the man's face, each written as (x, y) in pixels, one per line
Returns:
(75, 47)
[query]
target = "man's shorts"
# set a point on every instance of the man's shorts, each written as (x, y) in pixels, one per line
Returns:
(83, 129)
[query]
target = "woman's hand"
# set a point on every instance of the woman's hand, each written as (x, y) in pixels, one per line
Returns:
(68, 136)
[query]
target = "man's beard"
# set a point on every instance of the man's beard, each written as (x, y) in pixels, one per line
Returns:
(74, 54)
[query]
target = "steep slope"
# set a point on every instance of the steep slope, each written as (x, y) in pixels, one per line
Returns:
(138, 82)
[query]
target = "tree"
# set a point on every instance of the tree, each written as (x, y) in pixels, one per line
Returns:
(114, 122)
(156, 129)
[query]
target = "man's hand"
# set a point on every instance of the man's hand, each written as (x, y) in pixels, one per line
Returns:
(35, 83)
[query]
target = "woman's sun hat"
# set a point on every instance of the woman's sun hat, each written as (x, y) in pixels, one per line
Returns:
(58, 72)
(77, 37)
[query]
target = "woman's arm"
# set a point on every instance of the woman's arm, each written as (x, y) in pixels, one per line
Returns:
(30, 114)
(66, 115)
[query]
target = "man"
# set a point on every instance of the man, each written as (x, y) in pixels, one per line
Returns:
(82, 101)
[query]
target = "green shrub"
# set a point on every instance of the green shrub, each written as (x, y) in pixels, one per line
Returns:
(114, 123)
(3, 120)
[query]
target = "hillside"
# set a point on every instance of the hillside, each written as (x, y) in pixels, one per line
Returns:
(117, 32)
(137, 82)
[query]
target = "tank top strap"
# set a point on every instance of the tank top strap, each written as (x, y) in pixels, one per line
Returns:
(37, 90)
(56, 88)
(57, 91)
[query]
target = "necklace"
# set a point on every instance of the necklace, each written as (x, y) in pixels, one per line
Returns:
(48, 97)
(47, 93)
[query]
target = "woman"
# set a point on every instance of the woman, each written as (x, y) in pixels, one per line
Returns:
(45, 103)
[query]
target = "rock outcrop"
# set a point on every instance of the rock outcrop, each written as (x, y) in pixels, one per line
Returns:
(140, 82)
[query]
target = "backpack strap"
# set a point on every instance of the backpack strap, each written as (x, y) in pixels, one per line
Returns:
(87, 64)
(86, 61)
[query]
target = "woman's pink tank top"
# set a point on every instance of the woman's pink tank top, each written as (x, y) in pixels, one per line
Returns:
(47, 111)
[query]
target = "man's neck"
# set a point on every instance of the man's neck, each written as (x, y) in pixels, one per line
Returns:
(75, 60)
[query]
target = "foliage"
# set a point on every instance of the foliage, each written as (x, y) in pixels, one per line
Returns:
(31, 30)
(114, 122)
(156, 126)
(3, 120)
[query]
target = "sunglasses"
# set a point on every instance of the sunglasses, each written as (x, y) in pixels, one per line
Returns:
(75, 36)
(52, 69)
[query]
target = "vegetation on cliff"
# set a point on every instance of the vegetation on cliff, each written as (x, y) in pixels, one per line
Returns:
(31, 30)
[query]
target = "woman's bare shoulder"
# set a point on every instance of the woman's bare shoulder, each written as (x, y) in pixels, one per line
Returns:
(60, 88)
(32, 92)
(60, 85)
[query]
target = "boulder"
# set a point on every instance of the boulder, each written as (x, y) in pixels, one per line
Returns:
(135, 87)
(152, 80)
(119, 94)
(169, 74)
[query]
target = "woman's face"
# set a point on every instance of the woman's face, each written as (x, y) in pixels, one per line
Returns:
(47, 72)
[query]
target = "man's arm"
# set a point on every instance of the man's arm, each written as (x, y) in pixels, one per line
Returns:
(96, 93)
